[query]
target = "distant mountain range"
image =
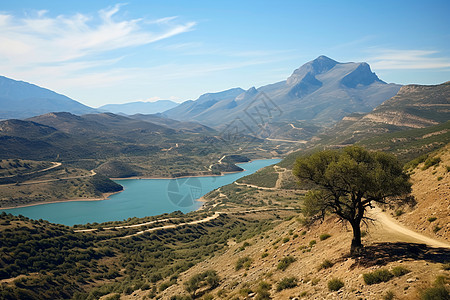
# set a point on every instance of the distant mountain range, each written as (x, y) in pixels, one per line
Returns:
(21, 100)
(317, 94)
(139, 107)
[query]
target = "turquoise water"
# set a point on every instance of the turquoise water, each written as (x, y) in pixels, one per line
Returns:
(141, 198)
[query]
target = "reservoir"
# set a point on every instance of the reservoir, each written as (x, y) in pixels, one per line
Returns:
(140, 198)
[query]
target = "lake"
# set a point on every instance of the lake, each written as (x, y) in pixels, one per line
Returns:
(140, 198)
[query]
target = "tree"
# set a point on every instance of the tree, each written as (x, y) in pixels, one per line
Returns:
(348, 181)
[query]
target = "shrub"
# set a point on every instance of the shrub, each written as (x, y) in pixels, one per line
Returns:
(400, 271)
(377, 276)
(243, 262)
(285, 240)
(287, 283)
(265, 254)
(263, 291)
(431, 219)
(335, 284)
(312, 243)
(435, 293)
(208, 278)
(440, 178)
(325, 265)
(324, 236)
(389, 295)
(436, 228)
(432, 161)
(315, 281)
(399, 212)
(285, 262)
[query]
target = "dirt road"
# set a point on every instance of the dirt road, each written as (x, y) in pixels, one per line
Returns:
(390, 225)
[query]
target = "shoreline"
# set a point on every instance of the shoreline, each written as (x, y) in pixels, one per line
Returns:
(211, 175)
(105, 196)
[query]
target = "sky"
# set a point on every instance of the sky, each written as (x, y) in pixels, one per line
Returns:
(100, 52)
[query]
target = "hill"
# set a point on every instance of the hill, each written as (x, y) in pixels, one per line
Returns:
(20, 100)
(415, 106)
(318, 93)
(139, 107)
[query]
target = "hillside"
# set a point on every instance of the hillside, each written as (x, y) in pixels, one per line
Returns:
(20, 100)
(431, 189)
(28, 182)
(320, 92)
(311, 256)
(415, 106)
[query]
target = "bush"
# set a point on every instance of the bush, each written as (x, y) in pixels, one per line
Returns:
(265, 254)
(312, 243)
(399, 212)
(243, 262)
(377, 276)
(207, 278)
(335, 284)
(324, 236)
(325, 265)
(432, 219)
(435, 293)
(436, 228)
(285, 262)
(432, 161)
(262, 293)
(400, 271)
(287, 283)
(389, 295)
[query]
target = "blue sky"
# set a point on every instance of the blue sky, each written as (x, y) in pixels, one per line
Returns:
(100, 52)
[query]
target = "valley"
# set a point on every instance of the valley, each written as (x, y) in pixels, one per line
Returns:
(202, 201)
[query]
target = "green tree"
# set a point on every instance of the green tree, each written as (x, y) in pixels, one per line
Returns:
(350, 180)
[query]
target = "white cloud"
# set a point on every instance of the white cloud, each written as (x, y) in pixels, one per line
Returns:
(394, 59)
(42, 41)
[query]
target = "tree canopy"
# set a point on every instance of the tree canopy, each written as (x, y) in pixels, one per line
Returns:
(348, 181)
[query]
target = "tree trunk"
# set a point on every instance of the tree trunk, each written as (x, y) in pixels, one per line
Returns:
(356, 246)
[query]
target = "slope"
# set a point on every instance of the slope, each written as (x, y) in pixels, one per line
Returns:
(21, 100)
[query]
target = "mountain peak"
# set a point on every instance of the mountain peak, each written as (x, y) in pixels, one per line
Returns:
(317, 66)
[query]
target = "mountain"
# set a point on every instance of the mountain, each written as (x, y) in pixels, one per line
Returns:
(139, 107)
(19, 100)
(319, 93)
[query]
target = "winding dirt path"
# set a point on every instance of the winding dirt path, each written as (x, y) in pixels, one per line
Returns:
(390, 225)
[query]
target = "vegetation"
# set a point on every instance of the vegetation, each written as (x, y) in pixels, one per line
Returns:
(285, 262)
(208, 279)
(348, 181)
(267, 177)
(377, 276)
(324, 236)
(335, 284)
(287, 283)
(326, 264)
(243, 262)
(399, 271)
(55, 262)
